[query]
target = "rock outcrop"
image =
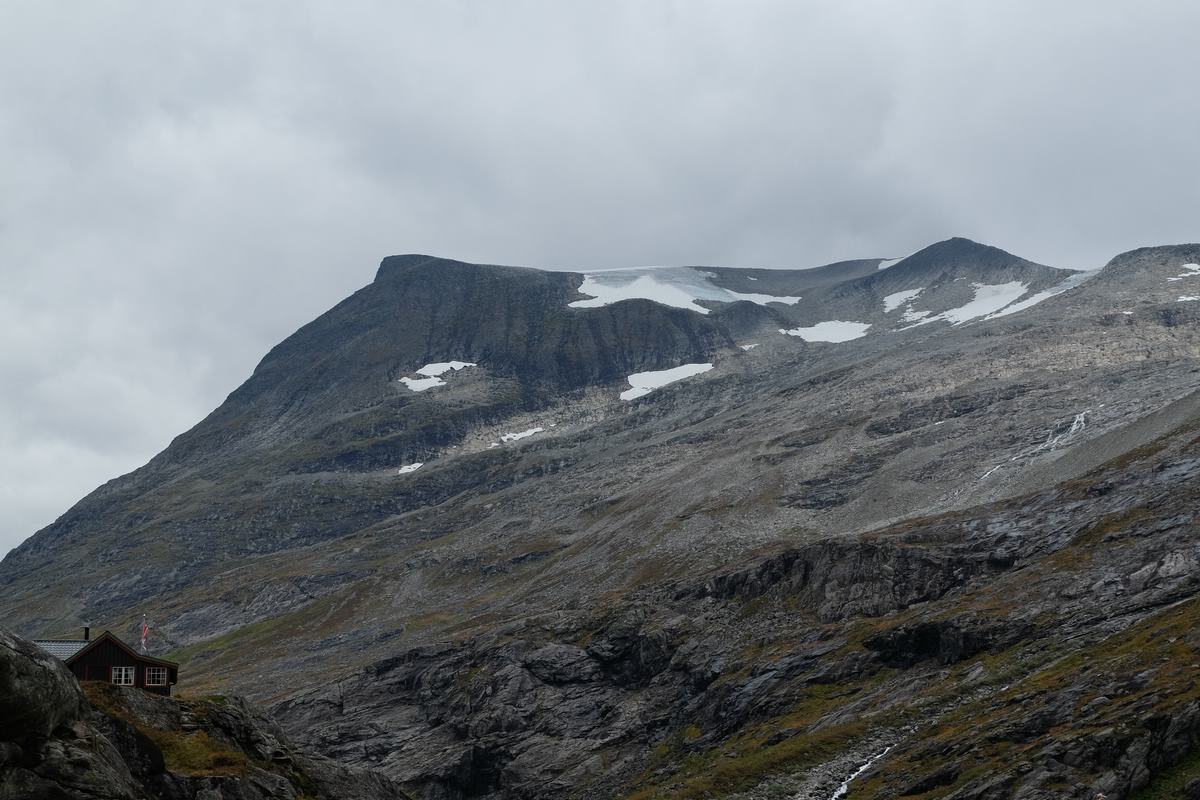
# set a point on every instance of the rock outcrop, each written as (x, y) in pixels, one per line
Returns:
(125, 744)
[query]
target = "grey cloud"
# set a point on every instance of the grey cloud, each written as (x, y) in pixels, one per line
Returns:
(186, 184)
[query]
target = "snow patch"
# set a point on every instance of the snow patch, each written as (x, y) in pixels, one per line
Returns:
(750, 346)
(642, 383)
(1028, 302)
(640, 287)
(887, 262)
(678, 287)
(421, 384)
(831, 331)
(407, 468)
(442, 367)
(512, 437)
(1033, 300)
(897, 299)
(1189, 271)
(989, 299)
(432, 373)
(1187, 298)
(764, 299)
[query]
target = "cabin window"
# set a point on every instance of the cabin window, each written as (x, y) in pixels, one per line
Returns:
(156, 676)
(122, 676)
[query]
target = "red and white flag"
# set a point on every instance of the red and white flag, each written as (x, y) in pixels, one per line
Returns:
(145, 632)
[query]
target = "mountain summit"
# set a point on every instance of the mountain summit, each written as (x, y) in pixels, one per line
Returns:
(964, 258)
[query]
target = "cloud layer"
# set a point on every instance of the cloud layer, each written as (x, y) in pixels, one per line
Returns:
(186, 183)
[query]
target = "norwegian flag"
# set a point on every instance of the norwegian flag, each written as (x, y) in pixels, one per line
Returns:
(145, 632)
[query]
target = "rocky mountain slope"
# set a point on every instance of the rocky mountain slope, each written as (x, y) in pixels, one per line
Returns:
(1040, 647)
(114, 743)
(483, 545)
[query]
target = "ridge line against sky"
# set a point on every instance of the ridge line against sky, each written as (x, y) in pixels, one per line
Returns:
(187, 184)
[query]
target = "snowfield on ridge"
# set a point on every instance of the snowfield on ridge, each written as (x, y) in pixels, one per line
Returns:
(679, 287)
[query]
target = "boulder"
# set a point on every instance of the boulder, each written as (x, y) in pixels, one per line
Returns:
(37, 692)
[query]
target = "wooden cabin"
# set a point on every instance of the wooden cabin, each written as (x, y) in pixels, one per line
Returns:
(107, 658)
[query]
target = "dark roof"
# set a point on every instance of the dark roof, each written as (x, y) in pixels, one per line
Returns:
(136, 655)
(62, 648)
(69, 649)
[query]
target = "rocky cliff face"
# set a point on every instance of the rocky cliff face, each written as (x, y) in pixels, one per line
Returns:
(898, 505)
(112, 743)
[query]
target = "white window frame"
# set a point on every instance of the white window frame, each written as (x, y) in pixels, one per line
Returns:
(129, 673)
(152, 672)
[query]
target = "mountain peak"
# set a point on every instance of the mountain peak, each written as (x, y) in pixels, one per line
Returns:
(393, 267)
(957, 249)
(1164, 252)
(959, 257)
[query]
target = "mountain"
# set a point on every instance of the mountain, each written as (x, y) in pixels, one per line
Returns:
(689, 532)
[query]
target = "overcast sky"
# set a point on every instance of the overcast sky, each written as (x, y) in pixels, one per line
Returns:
(184, 184)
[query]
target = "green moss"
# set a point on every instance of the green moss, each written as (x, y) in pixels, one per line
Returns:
(473, 673)
(1103, 529)
(206, 663)
(184, 655)
(745, 760)
(751, 755)
(198, 754)
(1160, 646)
(194, 753)
(1169, 784)
(102, 695)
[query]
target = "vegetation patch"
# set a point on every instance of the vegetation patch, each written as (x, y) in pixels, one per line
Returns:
(991, 735)
(1169, 785)
(782, 744)
(745, 760)
(197, 753)
(187, 753)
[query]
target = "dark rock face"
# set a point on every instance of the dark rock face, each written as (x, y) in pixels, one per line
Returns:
(422, 309)
(845, 578)
(38, 695)
(55, 745)
(946, 641)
